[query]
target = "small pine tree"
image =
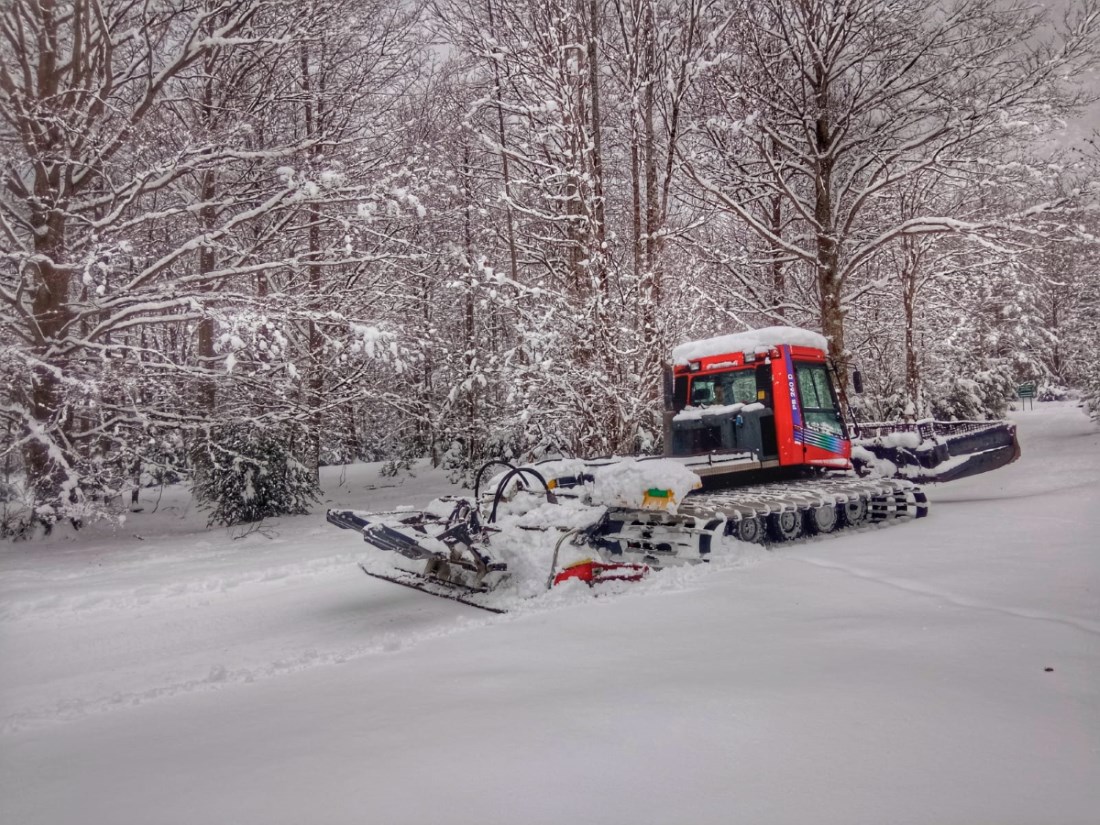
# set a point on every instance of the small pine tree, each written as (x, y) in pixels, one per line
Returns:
(245, 473)
(983, 395)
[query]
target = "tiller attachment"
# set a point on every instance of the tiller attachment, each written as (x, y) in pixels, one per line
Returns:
(453, 549)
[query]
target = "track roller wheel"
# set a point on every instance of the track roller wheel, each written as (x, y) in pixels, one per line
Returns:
(785, 526)
(705, 537)
(823, 519)
(880, 507)
(922, 502)
(901, 504)
(854, 512)
(751, 530)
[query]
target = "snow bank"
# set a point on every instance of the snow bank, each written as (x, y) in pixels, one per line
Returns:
(751, 341)
(316, 697)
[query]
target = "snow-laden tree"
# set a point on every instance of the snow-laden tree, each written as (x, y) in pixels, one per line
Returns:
(1073, 301)
(575, 111)
(80, 85)
(540, 115)
(655, 53)
(284, 218)
(835, 105)
(922, 291)
(162, 165)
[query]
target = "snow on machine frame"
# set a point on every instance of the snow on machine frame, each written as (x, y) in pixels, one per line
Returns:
(757, 449)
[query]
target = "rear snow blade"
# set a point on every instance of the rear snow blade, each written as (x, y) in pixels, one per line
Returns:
(948, 451)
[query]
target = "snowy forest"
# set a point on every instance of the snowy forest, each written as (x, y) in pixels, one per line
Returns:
(325, 231)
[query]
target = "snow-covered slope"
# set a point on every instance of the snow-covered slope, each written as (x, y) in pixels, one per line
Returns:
(942, 671)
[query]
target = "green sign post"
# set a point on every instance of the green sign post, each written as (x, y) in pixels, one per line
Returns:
(1026, 392)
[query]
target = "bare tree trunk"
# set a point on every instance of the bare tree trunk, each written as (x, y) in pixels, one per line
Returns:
(50, 299)
(779, 277)
(313, 115)
(49, 306)
(910, 281)
(829, 282)
(207, 263)
(513, 256)
(651, 283)
(207, 259)
(473, 443)
(316, 349)
(636, 188)
(652, 204)
(599, 230)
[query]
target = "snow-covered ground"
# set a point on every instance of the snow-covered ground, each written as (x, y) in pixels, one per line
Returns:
(941, 671)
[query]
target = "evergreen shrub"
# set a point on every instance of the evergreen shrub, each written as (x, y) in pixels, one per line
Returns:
(245, 473)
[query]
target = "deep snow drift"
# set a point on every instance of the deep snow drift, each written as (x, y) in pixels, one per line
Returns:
(941, 671)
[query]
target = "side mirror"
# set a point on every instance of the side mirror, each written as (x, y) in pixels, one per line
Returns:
(857, 381)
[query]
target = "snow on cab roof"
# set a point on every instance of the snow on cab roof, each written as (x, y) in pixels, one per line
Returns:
(750, 341)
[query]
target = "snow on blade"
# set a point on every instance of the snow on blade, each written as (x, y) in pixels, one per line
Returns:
(751, 341)
(628, 483)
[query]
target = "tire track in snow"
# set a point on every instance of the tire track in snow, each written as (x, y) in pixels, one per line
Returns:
(460, 619)
(73, 606)
(221, 677)
(919, 589)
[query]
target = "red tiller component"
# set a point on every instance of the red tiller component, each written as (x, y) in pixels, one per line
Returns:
(594, 572)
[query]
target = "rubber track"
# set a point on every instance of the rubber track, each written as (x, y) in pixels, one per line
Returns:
(685, 537)
(894, 498)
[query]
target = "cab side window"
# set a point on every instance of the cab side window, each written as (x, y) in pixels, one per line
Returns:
(819, 406)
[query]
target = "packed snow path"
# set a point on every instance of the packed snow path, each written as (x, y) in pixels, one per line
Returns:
(942, 671)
